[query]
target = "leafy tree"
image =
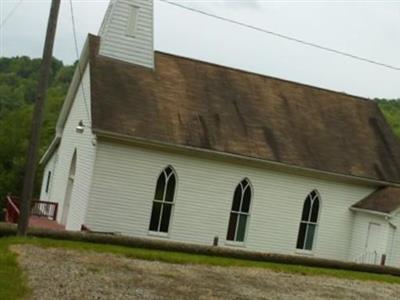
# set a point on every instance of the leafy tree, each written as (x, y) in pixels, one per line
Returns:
(14, 135)
(391, 110)
(18, 83)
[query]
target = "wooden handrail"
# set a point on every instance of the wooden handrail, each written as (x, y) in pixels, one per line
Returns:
(12, 210)
(44, 209)
(44, 202)
(38, 208)
(16, 199)
(11, 202)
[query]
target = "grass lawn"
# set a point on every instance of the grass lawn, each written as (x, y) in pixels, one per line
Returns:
(12, 281)
(13, 284)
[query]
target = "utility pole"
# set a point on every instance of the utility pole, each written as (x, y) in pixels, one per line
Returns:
(32, 157)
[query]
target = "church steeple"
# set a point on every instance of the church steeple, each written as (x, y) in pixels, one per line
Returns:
(127, 32)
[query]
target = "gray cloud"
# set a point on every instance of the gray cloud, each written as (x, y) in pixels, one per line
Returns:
(212, 5)
(251, 4)
(369, 29)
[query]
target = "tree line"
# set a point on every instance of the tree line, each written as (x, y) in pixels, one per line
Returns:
(18, 82)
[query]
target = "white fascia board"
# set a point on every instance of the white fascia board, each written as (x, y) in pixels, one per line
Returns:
(68, 102)
(372, 212)
(73, 88)
(260, 162)
(50, 150)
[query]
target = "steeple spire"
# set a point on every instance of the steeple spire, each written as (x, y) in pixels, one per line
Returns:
(127, 32)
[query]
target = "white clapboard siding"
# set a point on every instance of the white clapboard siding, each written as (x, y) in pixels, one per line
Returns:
(50, 166)
(114, 40)
(391, 247)
(393, 242)
(124, 183)
(82, 143)
(106, 20)
(360, 234)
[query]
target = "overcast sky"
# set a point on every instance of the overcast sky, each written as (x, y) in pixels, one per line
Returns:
(365, 28)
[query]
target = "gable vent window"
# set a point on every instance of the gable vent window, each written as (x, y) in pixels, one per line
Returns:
(131, 29)
(163, 201)
(240, 212)
(309, 222)
(48, 182)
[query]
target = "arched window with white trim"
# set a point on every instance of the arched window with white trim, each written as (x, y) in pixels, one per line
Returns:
(163, 201)
(240, 212)
(309, 221)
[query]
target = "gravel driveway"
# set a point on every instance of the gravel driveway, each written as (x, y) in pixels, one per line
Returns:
(66, 274)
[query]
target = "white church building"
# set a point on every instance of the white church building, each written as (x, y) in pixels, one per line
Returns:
(150, 144)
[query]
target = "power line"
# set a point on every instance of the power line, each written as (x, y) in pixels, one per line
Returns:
(77, 57)
(13, 10)
(286, 37)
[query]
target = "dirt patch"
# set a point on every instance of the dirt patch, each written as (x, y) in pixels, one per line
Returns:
(66, 274)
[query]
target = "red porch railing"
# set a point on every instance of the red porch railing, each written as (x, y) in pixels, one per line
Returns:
(12, 210)
(39, 208)
(44, 209)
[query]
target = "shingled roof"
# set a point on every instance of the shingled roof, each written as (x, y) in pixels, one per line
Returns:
(197, 104)
(384, 200)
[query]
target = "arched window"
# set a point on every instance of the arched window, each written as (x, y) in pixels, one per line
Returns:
(309, 222)
(163, 201)
(240, 212)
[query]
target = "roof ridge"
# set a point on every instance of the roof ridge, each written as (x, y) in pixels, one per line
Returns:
(264, 75)
(202, 109)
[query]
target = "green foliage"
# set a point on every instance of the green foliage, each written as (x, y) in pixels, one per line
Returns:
(391, 110)
(14, 135)
(18, 83)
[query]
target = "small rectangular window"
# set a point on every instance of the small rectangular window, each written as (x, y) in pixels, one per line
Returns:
(48, 181)
(132, 21)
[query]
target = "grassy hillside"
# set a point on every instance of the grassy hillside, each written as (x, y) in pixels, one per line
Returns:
(18, 81)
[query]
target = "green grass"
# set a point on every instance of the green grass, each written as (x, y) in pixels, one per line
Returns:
(13, 284)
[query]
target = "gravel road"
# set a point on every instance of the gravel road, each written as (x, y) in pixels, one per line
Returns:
(67, 274)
